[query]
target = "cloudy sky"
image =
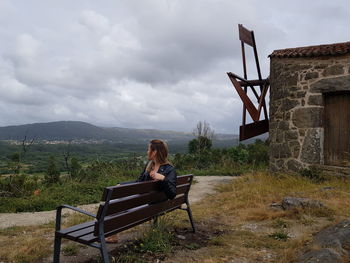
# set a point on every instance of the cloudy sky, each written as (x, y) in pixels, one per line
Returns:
(148, 63)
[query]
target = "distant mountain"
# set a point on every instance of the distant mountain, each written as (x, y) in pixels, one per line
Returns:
(82, 131)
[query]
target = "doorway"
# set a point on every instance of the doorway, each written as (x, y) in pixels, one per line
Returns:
(337, 129)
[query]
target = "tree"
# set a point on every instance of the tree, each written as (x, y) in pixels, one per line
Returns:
(203, 129)
(66, 155)
(75, 168)
(26, 145)
(203, 142)
(52, 174)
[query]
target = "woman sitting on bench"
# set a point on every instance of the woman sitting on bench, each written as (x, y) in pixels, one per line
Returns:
(158, 168)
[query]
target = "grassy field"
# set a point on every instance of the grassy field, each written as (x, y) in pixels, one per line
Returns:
(235, 224)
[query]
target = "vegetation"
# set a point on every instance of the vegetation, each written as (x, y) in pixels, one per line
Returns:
(69, 178)
(227, 161)
(237, 223)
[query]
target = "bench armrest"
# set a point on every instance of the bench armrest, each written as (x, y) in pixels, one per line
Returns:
(59, 214)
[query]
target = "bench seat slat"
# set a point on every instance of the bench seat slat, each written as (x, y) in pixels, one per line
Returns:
(144, 212)
(75, 228)
(82, 232)
(117, 230)
(87, 239)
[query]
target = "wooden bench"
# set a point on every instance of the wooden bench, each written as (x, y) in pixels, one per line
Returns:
(122, 207)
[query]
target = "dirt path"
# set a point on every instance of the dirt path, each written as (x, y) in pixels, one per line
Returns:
(205, 185)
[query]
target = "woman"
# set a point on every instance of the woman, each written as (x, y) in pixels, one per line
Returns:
(159, 168)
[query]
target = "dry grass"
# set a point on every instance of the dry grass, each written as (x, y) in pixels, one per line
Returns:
(243, 208)
(25, 244)
(32, 243)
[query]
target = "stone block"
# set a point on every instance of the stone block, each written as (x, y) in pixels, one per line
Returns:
(286, 116)
(279, 150)
(291, 135)
(273, 108)
(296, 151)
(333, 70)
(315, 100)
(283, 125)
(299, 67)
(331, 85)
(291, 80)
(284, 151)
(274, 150)
(280, 164)
(294, 145)
(294, 165)
(311, 149)
(272, 125)
(278, 92)
(288, 104)
(310, 117)
(321, 66)
(311, 75)
(300, 94)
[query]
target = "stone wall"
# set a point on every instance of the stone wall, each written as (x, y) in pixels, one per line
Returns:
(297, 106)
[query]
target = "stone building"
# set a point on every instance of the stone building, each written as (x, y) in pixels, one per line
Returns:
(310, 108)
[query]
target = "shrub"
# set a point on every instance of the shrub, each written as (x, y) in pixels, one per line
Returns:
(313, 174)
(158, 238)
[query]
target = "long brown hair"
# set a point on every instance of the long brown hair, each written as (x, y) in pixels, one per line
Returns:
(161, 149)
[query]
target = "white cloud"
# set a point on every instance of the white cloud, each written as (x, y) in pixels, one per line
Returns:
(144, 64)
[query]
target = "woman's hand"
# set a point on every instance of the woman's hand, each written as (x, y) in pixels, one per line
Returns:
(157, 176)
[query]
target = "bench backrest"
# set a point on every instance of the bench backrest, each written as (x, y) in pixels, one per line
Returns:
(125, 206)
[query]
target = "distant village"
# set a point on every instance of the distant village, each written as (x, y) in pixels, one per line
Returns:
(75, 141)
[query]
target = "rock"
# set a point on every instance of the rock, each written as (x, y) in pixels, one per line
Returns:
(181, 237)
(320, 256)
(276, 206)
(326, 188)
(298, 202)
(334, 244)
(336, 237)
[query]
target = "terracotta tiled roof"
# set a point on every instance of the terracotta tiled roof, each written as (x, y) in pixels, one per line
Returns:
(313, 51)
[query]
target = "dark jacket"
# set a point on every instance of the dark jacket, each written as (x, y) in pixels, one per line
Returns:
(168, 184)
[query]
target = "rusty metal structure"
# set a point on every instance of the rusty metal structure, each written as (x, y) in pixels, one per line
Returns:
(242, 85)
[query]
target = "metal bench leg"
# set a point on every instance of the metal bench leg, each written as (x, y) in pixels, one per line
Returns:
(189, 212)
(57, 249)
(104, 252)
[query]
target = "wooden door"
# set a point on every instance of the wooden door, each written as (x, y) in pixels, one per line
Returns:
(337, 129)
